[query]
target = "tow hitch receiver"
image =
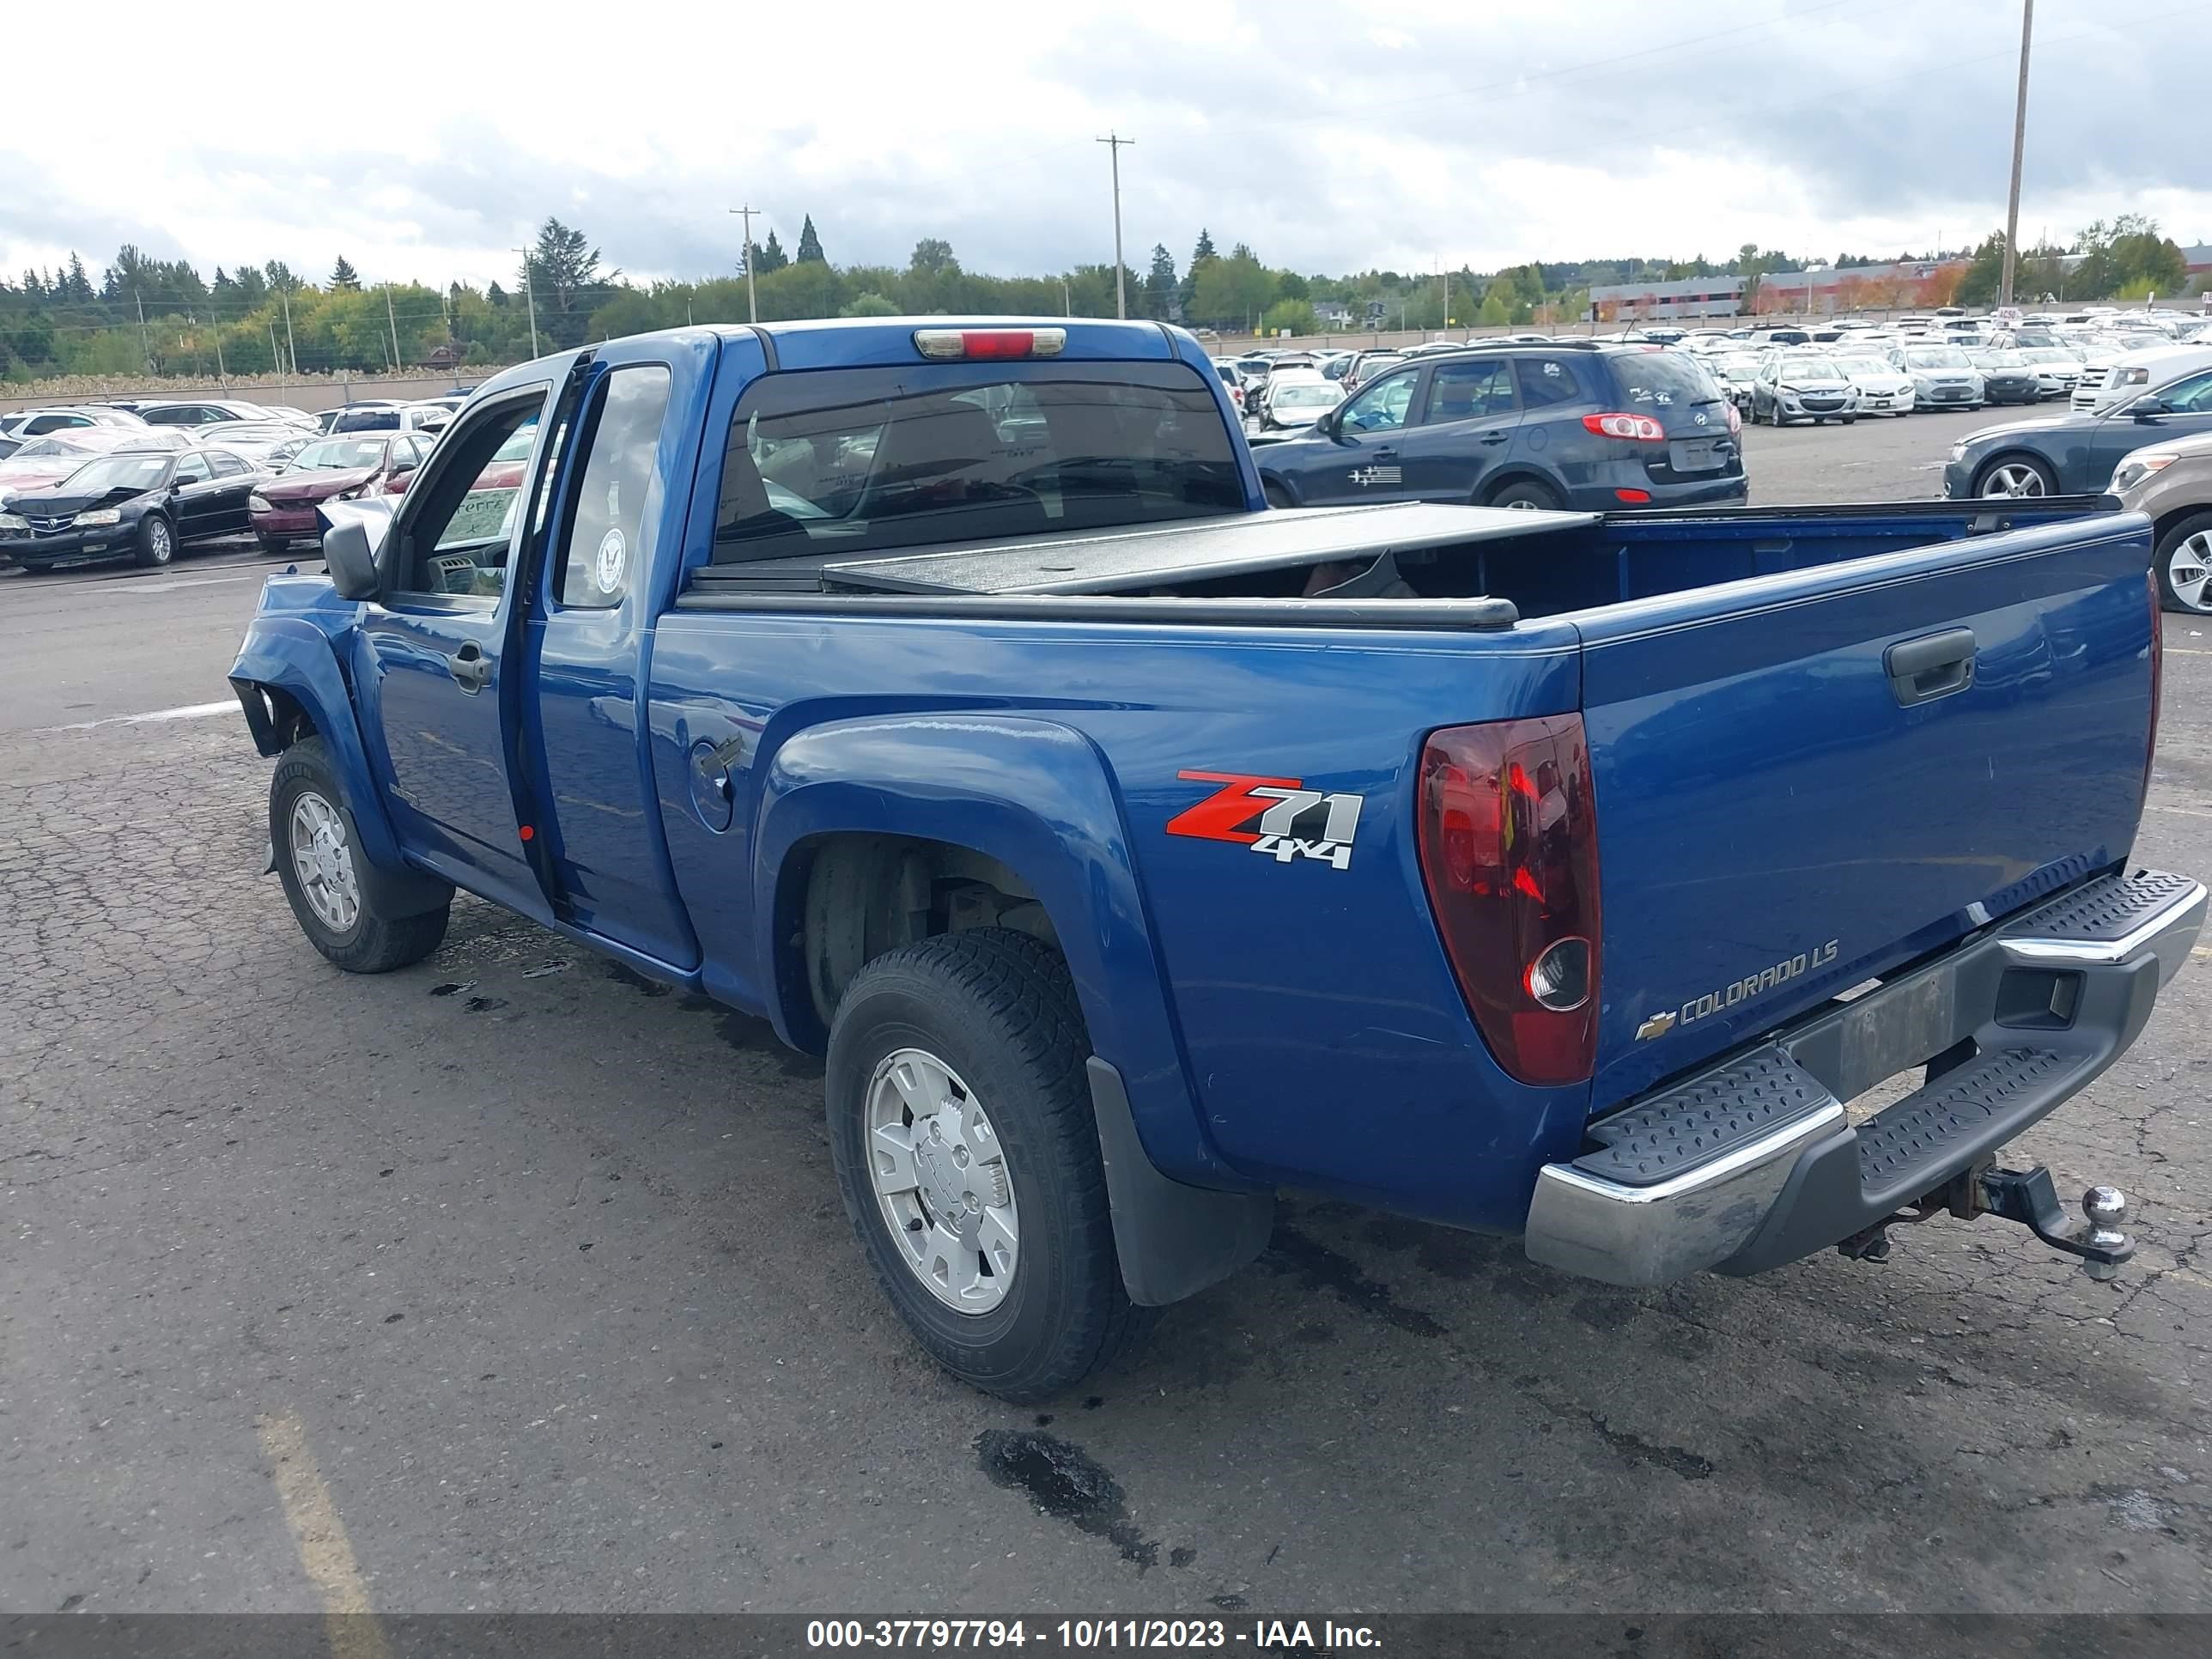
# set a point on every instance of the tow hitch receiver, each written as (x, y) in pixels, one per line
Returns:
(2027, 1196)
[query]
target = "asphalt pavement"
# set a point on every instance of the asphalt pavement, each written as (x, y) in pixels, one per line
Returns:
(512, 1282)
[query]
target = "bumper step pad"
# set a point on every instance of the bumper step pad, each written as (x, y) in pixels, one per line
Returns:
(2106, 910)
(1704, 1120)
(1903, 1147)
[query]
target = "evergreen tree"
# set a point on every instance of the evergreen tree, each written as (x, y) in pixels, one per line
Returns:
(75, 286)
(769, 256)
(1162, 299)
(810, 245)
(343, 277)
(280, 277)
(1204, 251)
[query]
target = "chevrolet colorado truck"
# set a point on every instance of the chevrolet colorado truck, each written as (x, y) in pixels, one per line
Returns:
(947, 692)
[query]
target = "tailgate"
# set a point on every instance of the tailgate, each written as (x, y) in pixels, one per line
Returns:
(1779, 818)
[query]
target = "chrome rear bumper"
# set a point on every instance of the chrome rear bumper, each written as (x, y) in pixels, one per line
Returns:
(1751, 1162)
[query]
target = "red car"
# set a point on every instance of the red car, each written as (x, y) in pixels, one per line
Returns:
(332, 469)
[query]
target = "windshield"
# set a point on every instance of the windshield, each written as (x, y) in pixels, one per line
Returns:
(1937, 357)
(2047, 355)
(1305, 397)
(1803, 369)
(1864, 366)
(340, 455)
(40, 447)
(977, 450)
(136, 473)
(2000, 359)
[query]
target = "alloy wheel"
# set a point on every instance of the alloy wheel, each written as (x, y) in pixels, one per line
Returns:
(942, 1182)
(2014, 478)
(322, 861)
(2189, 569)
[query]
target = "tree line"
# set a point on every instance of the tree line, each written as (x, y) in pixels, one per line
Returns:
(145, 315)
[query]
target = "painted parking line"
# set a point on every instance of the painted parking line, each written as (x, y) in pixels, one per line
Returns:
(191, 711)
(325, 1551)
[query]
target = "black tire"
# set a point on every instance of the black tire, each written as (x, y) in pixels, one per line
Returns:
(998, 1009)
(2169, 545)
(1848, 419)
(273, 546)
(370, 944)
(1526, 495)
(157, 542)
(1277, 495)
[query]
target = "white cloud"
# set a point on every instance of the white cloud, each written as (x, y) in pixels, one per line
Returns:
(1334, 138)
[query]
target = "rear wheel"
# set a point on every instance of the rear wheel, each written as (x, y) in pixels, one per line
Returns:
(961, 1128)
(1526, 495)
(2183, 563)
(2014, 476)
(157, 541)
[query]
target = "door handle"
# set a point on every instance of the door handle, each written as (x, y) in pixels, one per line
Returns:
(1497, 437)
(1382, 455)
(471, 669)
(1935, 665)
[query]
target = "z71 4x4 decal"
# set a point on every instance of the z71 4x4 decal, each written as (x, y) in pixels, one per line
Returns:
(1268, 814)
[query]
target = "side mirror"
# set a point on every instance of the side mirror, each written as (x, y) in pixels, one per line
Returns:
(352, 562)
(2143, 408)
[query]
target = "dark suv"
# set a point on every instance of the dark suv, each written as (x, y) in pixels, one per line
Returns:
(1551, 426)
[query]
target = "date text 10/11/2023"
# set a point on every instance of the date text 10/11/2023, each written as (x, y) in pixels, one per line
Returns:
(1083, 1634)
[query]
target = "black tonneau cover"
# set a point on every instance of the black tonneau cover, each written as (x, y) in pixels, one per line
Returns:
(1141, 557)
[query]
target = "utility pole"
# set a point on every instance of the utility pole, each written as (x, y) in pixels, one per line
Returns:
(215, 327)
(1114, 141)
(275, 361)
(529, 293)
(145, 350)
(752, 295)
(2019, 144)
(1067, 299)
(291, 345)
(393, 322)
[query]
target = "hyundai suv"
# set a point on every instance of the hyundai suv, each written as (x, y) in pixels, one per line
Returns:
(1588, 426)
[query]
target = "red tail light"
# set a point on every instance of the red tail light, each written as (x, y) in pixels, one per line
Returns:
(1736, 420)
(1509, 852)
(990, 342)
(1642, 428)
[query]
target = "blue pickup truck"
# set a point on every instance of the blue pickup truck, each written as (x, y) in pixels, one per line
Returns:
(947, 692)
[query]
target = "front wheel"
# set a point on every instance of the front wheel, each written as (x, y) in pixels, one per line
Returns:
(961, 1127)
(274, 546)
(320, 863)
(2183, 563)
(1848, 419)
(2015, 475)
(157, 542)
(1277, 495)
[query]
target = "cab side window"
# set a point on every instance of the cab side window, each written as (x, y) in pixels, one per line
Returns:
(610, 534)
(459, 525)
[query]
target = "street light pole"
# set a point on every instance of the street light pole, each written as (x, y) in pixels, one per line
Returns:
(752, 298)
(2018, 143)
(529, 294)
(1114, 141)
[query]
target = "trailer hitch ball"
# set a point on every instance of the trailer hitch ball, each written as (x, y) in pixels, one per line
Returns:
(2106, 1207)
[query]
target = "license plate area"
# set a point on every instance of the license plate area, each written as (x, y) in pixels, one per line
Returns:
(1694, 455)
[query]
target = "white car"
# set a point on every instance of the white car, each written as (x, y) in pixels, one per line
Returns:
(2105, 381)
(2057, 369)
(1943, 375)
(1297, 398)
(1884, 389)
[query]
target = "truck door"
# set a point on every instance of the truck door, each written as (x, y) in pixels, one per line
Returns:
(431, 675)
(585, 641)
(1465, 430)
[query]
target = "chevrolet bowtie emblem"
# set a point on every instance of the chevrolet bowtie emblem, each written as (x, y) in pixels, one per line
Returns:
(1657, 1026)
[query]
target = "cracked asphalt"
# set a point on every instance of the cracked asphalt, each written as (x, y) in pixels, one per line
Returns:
(545, 1268)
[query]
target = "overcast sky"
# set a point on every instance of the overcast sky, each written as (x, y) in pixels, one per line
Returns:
(423, 142)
